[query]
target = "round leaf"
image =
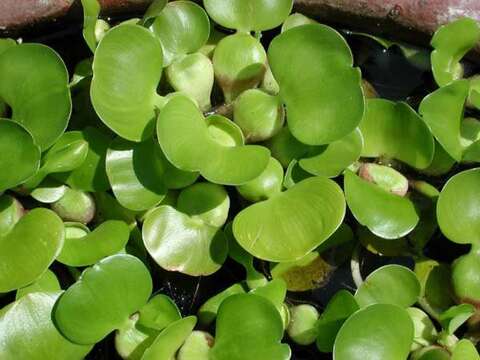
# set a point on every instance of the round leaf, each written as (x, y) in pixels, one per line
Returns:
(457, 208)
(126, 70)
(395, 130)
(206, 202)
(35, 85)
(178, 242)
(387, 215)
(380, 331)
(136, 172)
(27, 331)
(390, 284)
(29, 248)
(102, 299)
(200, 151)
(182, 27)
(23, 155)
(248, 327)
(319, 86)
(312, 210)
(248, 15)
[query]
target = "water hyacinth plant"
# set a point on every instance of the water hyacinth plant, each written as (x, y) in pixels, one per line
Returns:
(230, 181)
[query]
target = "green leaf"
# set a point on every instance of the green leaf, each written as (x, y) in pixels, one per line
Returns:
(336, 157)
(248, 15)
(387, 215)
(457, 208)
(67, 154)
(390, 284)
(319, 86)
(178, 242)
(102, 299)
(442, 111)
(239, 62)
(6, 44)
(27, 331)
(202, 150)
(253, 277)
(208, 311)
(23, 154)
(193, 76)
(35, 85)
(170, 340)
(75, 205)
(465, 279)
(248, 327)
(206, 202)
(465, 350)
(286, 148)
(312, 210)
(435, 279)
(29, 248)
(196, 347)
(127, 67)
(340, 307)
(91, 10)
(395, 130)
(265, 186)
(425, 332)
(456, 316)
(154, 9)
(48, 282)
(139, 173)
(159, 312)
(302, 327)
(296, 19)
(259, 115)
(91, 174)
(183, 28)
(379, 331)
(451, 42)
(83, 248)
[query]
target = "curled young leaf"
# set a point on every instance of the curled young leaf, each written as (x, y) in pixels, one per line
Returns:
(318, 84)
(442, 111)
(451, 42)
(239, 62)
